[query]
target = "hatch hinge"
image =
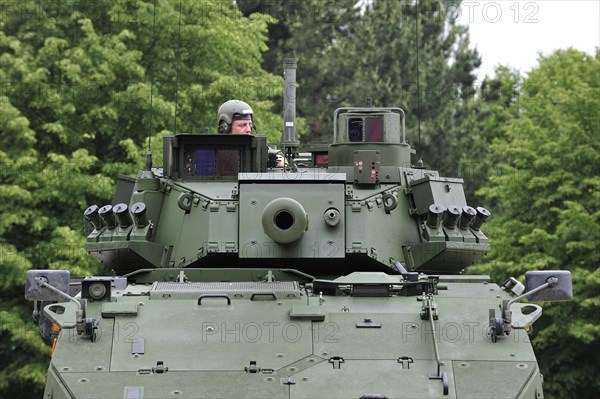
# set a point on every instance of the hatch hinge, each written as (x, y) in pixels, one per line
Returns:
(405, 361)
(160, 367)
(253, 368)
(336, 361)
(349, 192)
(368, 323)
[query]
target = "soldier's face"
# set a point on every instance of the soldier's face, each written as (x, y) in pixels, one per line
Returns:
(241, 127)
(280, 163)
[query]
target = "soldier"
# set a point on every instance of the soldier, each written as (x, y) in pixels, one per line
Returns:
(281, 162)
(235, 117)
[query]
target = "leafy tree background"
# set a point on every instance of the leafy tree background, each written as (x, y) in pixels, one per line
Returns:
(77, 78)
(546, 196)
(369, 49)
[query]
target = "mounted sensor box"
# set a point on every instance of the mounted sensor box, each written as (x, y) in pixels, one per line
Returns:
(437, 190)
(202, 157)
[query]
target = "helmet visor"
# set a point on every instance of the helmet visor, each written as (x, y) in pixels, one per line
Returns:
(242, 117)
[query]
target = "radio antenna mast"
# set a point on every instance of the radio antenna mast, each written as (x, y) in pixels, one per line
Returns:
(177, 69)
(149, 151)
(419, 149)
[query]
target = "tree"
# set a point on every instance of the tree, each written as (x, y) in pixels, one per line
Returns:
(473, 124)
(412, 55)
(76, 81)
(318, 76)
(369, 49)
(548, 211)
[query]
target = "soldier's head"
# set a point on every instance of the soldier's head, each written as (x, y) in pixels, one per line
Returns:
(235, 116)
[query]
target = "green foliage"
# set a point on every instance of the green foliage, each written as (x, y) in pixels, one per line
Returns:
(475, 123)
(18, 334)
(319, 75)
(548, 210)
(367, 49)
(77, 79)
(20, 373)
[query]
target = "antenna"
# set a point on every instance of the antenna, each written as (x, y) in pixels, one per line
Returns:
(418, 80)
(149, 151)
(177, 69)
(420, 161)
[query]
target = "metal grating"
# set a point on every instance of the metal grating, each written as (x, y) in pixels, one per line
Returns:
(249, 287)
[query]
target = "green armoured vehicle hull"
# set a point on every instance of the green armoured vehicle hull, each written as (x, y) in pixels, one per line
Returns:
(238, 279)
(250, 338)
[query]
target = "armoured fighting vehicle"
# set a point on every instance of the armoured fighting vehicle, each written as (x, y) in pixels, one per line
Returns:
(337, 278)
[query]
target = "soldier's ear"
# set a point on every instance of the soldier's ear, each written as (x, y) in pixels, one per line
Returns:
(224, 127)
